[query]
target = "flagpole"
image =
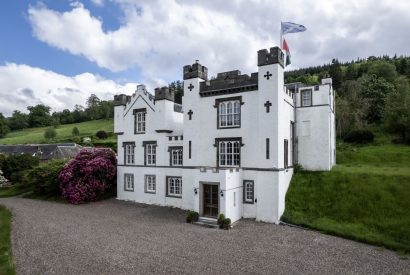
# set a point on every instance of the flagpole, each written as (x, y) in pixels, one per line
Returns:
(281, 36)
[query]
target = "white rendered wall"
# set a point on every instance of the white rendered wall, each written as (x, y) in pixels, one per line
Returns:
(315, 129)
(270, 176)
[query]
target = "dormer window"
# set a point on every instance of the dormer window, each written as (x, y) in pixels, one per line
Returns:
(139, 120)
(229, 112)
(306, 98)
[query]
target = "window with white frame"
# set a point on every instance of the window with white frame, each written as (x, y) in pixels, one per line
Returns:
(150, 184)
(139, 121)
(229, 113)
(150, 153)
(306, 97)
(176, 156)
(129, 152)
(229, 153)
(174, 187)
(248, 191)
(129, 182)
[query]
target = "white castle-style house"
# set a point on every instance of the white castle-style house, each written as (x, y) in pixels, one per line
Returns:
(230, 147)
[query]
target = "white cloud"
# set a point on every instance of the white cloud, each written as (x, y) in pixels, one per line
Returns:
(98, 3)
(24, 86)
(159, 37)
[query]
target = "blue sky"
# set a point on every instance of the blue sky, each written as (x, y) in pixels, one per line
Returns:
(59, 52)
(23, 48)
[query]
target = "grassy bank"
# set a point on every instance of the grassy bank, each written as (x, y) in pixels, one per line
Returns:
(6, 258)
(366, 197)
(64, 132)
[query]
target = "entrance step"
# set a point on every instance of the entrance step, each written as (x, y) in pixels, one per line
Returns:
(207, 222)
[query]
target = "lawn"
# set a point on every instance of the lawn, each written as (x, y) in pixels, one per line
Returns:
(36, 135)
(13, 190)
(366, 197)
(6, 257)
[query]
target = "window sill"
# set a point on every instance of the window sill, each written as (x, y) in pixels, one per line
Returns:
(228, 127)
(129, 190)
(174, 196)
(150, 192)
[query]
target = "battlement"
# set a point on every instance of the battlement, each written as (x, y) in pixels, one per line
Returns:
(121, 100)
(274, 56)
(229, 82)
(164, 93)
(195, 70)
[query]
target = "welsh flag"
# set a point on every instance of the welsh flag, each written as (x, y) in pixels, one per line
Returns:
(287, 51)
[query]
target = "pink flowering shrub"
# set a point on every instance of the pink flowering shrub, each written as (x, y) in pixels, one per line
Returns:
(88, 175)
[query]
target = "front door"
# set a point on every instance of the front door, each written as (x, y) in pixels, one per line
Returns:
(211, 206)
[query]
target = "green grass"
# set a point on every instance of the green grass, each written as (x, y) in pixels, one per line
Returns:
(366, 197)
(6, 257)
(13, 190)
(36, 135)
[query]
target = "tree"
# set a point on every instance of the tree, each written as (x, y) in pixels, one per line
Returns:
(397, 113)
(105, 109)
(383, 69)
(351, 108)
(18, 121)
(92, 101)
(351, 72)
(375, 89)
(50, 133)
(402, 66)
(4, 128)
(39, 115)
(75, 132)
(66, 117)
(336, 74)
(78, 114)
(178, 87)
(92, 107)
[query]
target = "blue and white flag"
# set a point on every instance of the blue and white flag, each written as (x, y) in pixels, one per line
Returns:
(289, 27)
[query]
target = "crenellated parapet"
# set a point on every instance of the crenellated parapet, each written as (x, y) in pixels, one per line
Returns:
(121, 100)
(273, 56)
(164, 93)
(229, 82)
(195, 70)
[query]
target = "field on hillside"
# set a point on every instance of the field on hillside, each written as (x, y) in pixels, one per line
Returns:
(366, 197)
(36, 135)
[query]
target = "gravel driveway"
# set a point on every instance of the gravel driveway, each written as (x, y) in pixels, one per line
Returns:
(114, 237)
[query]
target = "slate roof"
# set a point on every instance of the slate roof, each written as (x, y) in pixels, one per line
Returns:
(44, 151)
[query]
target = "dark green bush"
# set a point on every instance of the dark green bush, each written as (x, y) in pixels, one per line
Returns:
(192, 217)
(15, 166)
(101, 134)
(224, 223)
(221, 218)
(359, 136)
(75, 132)
(50, 133)
(43, 179)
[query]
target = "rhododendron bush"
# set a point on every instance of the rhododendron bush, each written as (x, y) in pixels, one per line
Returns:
(88, 175)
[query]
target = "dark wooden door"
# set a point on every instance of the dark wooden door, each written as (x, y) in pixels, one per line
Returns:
(211, 200)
